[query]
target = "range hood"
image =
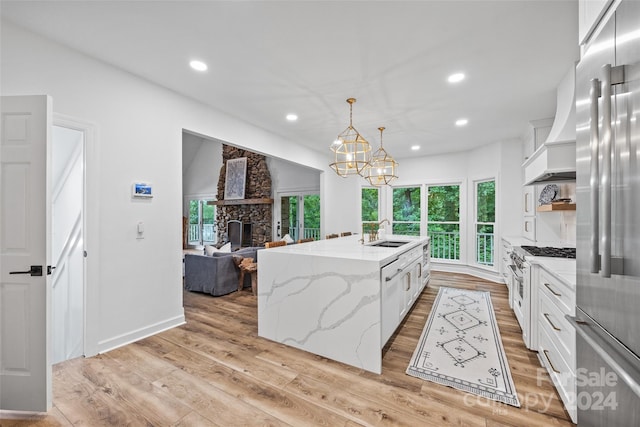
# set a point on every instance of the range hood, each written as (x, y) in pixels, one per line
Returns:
(555, 160)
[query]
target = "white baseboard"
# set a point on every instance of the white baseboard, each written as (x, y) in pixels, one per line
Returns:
(137, 335)
(482, 273)
(21, 415)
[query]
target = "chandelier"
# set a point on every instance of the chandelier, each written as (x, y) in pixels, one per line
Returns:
(381, 169)
(351, 149)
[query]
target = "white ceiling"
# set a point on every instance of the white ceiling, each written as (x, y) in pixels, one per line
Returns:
(270, 58)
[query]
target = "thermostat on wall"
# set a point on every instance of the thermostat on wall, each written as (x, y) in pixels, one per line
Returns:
(141, 189)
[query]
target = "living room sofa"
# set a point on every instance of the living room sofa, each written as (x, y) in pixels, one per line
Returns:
(216, 274)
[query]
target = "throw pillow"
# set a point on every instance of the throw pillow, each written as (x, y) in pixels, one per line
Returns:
(210, 250)
(287, 239)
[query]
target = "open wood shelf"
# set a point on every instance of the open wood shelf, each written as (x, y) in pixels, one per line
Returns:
(557, 207)
(263, 201)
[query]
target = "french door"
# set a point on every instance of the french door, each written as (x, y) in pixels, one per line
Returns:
(202, 223)
(299, 216)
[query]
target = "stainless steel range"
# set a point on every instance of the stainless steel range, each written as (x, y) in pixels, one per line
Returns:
(522, 293)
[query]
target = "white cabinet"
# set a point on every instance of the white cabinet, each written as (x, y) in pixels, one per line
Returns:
(402, 282)
(411, 287)
(505, 255)
(556, 337)
(391, 279)
(529, 212)
(590, 12)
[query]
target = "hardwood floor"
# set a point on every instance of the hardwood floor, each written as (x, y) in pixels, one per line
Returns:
(216, 371)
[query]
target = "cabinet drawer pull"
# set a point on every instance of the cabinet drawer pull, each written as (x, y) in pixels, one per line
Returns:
(546, 354)
(546, 315)
(552, 291)
(420, 273)
(408, 282)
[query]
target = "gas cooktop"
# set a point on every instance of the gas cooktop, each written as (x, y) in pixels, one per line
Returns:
(550, 251)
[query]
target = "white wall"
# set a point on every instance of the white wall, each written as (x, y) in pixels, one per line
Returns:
(288, 177)
(134, 285)
(340, 204)
(200, 176)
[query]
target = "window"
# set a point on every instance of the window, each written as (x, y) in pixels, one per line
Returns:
(406, 211)
(369, 208)
(485, 221)
(443, 221)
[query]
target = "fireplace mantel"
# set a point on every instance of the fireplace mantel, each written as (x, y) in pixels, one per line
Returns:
(262, 201)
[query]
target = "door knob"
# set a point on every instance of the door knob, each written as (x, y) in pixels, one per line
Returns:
(35, 270)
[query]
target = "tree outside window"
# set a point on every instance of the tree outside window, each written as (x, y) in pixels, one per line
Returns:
(443, 221)
(406, 211)
(485, 221)
(369, 209)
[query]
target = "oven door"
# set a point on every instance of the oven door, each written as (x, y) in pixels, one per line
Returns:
(517, 293)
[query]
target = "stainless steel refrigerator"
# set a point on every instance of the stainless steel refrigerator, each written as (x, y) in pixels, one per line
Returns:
(607, 320)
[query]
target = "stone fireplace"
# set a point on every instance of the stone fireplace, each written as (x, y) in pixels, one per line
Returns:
(254, 213)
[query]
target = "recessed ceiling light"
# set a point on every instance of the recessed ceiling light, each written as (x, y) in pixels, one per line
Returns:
(198, 65)
(415, 147)
(455, 78)
(292, 117)
(461, 122)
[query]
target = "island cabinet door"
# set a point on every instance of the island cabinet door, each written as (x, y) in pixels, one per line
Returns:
(391, 279)
(407, 293)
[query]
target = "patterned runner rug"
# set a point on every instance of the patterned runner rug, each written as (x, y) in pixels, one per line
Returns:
(460, 347)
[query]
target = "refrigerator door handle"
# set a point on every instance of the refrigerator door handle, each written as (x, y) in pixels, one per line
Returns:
(594, 182)
(605, 177)
(623, 366)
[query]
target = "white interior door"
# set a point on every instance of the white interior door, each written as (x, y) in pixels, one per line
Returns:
(25, 368)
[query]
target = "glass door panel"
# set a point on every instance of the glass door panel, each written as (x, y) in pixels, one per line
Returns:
(202, 219)
(300, 216)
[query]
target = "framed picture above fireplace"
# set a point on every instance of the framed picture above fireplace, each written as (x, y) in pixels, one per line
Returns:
(235, 179)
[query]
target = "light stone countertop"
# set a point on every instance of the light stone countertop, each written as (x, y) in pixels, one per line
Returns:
(349, 247)
(564, 269)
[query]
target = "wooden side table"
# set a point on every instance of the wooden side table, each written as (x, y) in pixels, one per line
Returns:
(252, 268)
(246, 265)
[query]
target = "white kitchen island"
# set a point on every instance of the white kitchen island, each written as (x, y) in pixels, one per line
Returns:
(339, 298)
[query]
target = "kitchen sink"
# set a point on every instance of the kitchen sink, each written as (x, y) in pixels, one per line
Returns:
(389, 244)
